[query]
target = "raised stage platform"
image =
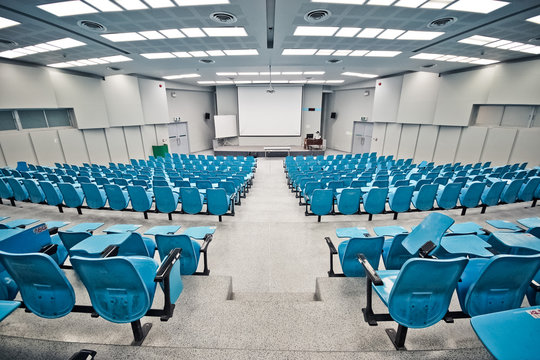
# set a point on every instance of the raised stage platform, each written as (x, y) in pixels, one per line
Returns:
(266, 151)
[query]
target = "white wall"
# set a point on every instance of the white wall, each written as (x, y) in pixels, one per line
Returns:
(23, 87)
(154, 101)
(386, 99)
(227, 100)
(123, 100)
(311, 120)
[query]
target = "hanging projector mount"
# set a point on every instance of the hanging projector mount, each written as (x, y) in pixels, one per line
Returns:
(270, 89)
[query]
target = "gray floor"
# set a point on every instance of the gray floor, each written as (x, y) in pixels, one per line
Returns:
(268, 264)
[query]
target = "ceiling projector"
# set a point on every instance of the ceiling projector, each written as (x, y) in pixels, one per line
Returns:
(270, 90)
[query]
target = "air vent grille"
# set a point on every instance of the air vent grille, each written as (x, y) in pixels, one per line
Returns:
(317, 16)
(223, 17)
(91, 26)
(442, 22)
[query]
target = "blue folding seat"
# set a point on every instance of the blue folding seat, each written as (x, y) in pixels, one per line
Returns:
(71, 238)
(496, 284)
(218, 202)
(417, 296)
(399, 199)
(118, 197)
(5, 191)
(526, 192)
(375, 201)
(492, 194)
(191, 251)
(166, 200)
(424, 198)
(308, 189)
(447, 196)
(349, 250)
(7, 307)
(95, 197)
(141, 200)
(470, 195)
(53, 196)
(34, 191)
(192, 200)
(19, 192)
(334, 185)
(73, 196)
(348, 201)
(321, 202)
(510, 193)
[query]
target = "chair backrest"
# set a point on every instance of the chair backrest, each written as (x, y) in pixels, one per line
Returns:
(349, 201)
(72, 197)
(375, 200)
(70, 239)
(44, 288)
(511, 190)
(470, 196)
(432, 228)
(34, 191)
(95, 198)
(447, 198)
(118, 198)
(19, 192)
(189, 259)
(191, 200)
(394, 254)
(203, 184)
(53, 196)
(496, 284)
(311, 186)
(371, 248)
(121, 288)
(491, 195)
(322, 201)
(423, 289)
(5, 189)
(424, 198)
(140, 200)
(400, 199)
(526, 193)
(217, 201)
(120, 181)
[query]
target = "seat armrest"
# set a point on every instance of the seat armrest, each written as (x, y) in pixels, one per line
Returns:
(331, 246)
(535, 286)
(110, 251)
(370, 272)
(49, 249)
(166, 267)
(207, 239)
(53, 231)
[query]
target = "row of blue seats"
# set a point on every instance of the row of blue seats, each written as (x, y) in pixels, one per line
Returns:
(400, 198)
(491, 272)
(117, 269)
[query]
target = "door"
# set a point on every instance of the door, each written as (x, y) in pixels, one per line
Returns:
(361, 142)
(178, 138)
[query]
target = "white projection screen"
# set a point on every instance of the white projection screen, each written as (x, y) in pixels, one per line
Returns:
(263, 114)
(225, 126)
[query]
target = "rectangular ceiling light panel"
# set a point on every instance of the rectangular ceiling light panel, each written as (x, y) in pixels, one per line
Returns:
(410, 3)
(477, 6)
(68, 8)
(163, 55)
(225, 31)
(131, 4)
(420, 35)
(200, 2)
(346, 2)
(5, 23)
(315, 30)
(348, 32)
(158, 4)
(535, 19)
(369, 33)
(172, 33)
(104, 5)
(121, 37)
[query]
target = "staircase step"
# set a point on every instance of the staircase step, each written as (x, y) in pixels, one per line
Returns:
(267, 297)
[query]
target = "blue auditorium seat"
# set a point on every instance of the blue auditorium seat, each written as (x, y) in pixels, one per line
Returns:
(37, 196)
(218, 202)
(19, 192)
(95, 197)
(166, 200)
(399, 199)
(7, 307)
(118, 197)
(348, 251)
(191, 251)
(73, 196)
(423, 199)
(348, 201)
(141, 200)
(447, 196)
(470, 196)
(6, 192)
(375, 201)
(321, 202)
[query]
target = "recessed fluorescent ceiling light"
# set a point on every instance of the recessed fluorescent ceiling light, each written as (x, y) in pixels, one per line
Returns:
(26, 51)
(342, 52)
(535, 50)
(369, 33)
(445, 58)
(248, 73)
(410, 3)
(66, 43)
(11, 54)
(206, 82)
(380, 2)
(172, 33)
(522, 47)
(288, 73)
(47, 47)
(116, 58)
(198, 53)
(92, 61)
(535, 19)
(313, 72)
(241, 52)
(436, 4)
(359, 53)
(316, 81)
(348, 32)
(193, 32)
(5, 23)
(215, 52)
(420, 35)
(119, 37)
(99, 61)
(67, 8)
(498, 43)
(315, 30)
(163, 55)
(242, 82)
(224, 82)
(259, 82)
(477, 6)
(390, 34)
(335, 81)
(226, 74)
(152, 35)
(183, 76)
(325, 52)
(157, 4)
(225, 31)
(200, 2)
(299, 51)
(280, 81)
(478, 40)
(347, 2)
(510, 46)
(359, 75)
(383, 53)
(485, 62)
(131, 4)
(426, 56)
(181, 54)
(104, 5)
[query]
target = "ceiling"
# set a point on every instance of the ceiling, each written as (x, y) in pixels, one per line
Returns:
(39, 26)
